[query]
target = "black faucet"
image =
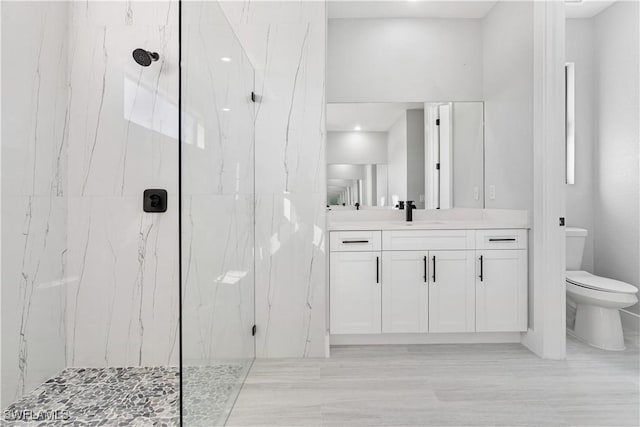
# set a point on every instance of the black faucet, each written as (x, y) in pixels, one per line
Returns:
(400, 205)
(409, 210)
(357, 206)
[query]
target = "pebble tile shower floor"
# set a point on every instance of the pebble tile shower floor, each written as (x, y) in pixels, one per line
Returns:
(145, 396)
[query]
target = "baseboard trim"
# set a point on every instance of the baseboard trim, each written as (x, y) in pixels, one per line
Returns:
(399, 339)
(630, 320)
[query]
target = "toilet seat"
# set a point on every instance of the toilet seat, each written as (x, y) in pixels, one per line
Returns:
(590, 281)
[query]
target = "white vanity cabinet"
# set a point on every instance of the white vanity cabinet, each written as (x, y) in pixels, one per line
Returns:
(452, 291)
(501, 281)
(355, 283)
(428, 281)
(428, 291)
(405, 305)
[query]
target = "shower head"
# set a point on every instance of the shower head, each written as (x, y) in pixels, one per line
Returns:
(144, 57)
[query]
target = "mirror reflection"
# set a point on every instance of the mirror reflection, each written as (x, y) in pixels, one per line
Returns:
(381, 154)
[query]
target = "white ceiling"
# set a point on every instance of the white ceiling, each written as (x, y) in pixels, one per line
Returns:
(443, 9)
(586, 8)
(409, 9)
(372, 117)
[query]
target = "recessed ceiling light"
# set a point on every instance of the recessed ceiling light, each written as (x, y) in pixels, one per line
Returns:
(357, 127)
(226, 109)
(225, 59)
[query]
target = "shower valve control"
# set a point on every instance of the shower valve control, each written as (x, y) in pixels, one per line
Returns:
(154, 200)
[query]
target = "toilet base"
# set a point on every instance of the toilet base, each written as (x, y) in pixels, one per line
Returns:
(599, 327)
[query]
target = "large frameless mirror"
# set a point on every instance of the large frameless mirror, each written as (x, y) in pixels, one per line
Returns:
(379, 154)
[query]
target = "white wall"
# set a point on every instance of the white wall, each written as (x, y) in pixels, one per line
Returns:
(604, 198)
(617, 131)
(357, 147)
(34, 194)
(370, 185)
(382, 186)
(468, 155)
(580, 207)
(286, 42)
(508, 97)
(391, 60)
(397, 164)
(349, 171)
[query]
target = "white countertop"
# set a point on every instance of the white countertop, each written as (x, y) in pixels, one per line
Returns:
(451, 219)
(421, 225)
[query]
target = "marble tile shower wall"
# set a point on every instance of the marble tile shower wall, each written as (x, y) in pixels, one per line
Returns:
(34, 194)
(286, 43)
(122, 263)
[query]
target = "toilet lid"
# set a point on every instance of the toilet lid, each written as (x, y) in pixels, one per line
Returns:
(588, 280)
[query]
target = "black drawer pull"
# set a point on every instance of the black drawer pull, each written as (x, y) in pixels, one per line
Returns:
(425, 269)
(346, 242)
(434, 269)
(510, 239)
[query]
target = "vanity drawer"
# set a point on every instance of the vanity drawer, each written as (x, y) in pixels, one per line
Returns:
(501, 239)
(355, 241)
(422, 240)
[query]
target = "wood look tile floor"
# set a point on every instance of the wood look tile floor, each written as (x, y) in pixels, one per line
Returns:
(444, 385)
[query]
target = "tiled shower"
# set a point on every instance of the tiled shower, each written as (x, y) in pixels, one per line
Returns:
(111, 314)
(104, 306)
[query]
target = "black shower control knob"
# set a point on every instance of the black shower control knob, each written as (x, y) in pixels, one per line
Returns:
(154, 200)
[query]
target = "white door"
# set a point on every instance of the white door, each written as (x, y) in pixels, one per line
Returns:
(501, 291)
(451, 291)
(355, 292)
(405, 291)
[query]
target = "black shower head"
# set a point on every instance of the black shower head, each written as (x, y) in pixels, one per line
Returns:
(144, 57)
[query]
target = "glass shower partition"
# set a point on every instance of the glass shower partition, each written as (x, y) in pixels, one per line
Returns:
(217, 214)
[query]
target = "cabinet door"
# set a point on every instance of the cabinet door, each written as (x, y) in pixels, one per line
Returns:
(405, 291)
(451, 291)
(355, 293)
(501, 291)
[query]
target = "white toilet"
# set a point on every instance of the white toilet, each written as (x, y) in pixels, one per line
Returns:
(597, 299)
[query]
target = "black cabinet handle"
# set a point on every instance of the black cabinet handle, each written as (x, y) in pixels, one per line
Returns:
(377, 269)
(434, 269)
(425, 269)
(510, 239)
(346, 242)
(481, 268)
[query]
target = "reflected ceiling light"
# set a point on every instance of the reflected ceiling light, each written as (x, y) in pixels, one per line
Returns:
(226, 109)
(357, 127)
(225, 59)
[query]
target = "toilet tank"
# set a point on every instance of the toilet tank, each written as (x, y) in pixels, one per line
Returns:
(576, 239)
